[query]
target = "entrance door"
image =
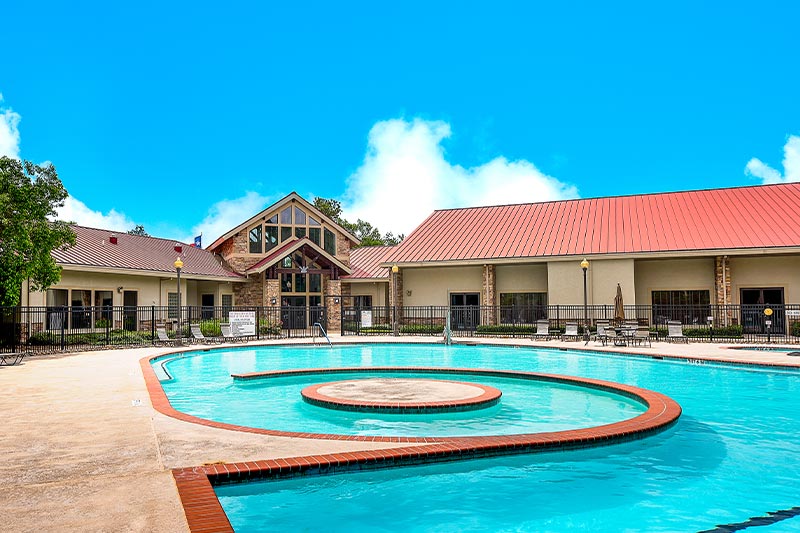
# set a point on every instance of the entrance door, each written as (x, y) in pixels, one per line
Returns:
(754, 301)
(130, 301)
(293, 312)
(207, 303)
(464, 310)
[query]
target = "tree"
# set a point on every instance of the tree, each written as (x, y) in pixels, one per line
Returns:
(366, 232)
(29, 197)
(138, 230)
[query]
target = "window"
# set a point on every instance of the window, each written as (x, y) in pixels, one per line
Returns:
(286, 283)
(103, 300)
(270, 237)
(300, 232)
(330, 242)
(315, 283)
(81, 310)
(522, 307)
(314, 234)
(299, 217)
(172, 304)
(313, 221)
(286, 233)
(689, 307)
(286, 216)
(255, 240)
(227, 304)
(56, 318)
(299, 283)
(362, 301)
(287, 261)
(273, 220)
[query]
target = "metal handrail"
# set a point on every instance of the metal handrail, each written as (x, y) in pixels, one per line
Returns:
(322, 330)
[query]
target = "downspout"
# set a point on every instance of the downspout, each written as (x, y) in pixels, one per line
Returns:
(725, 286)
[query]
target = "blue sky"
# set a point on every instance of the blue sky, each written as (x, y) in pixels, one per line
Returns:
(394, 108)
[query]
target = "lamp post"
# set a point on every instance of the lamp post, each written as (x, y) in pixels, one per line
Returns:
(585, 267)
(395, 325)
(178, 266)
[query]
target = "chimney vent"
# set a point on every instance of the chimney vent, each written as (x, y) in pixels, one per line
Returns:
(178, 247)
(112, 239)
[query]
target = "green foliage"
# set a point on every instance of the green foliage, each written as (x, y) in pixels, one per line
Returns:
(795, 329)
(378, 328)
(210, 328)
(29, 197)
(505, 329)
(733, 332)
(101, 323)
(425, 329)
(138, 230)
(366, 232)
(117, 336)
(269, 327)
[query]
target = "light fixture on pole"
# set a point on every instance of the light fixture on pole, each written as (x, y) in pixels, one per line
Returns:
(395, 294)
(585, 267)
(178, 266)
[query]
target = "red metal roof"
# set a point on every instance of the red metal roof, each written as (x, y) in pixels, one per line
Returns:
(766, 216)
(365, 262)
(93, 248)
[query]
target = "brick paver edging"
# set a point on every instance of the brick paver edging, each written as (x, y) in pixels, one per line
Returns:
(204, 513)
(487, 397)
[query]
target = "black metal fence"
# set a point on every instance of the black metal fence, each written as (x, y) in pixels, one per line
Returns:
(53, 329)
(723, 323)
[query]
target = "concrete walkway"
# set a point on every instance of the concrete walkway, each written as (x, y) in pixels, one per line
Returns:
(83, 450)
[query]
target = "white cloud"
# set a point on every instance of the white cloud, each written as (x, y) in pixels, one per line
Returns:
(226, 215)
(791, 165)
(9, 131)
(405, 177)
(76, 211)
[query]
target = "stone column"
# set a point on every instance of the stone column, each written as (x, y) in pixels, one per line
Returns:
(396, 299)
(489, 294)
(722, 288)
(333, 290)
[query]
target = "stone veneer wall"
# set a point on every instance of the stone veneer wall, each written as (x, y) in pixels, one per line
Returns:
(343, 249)
(333, 288)
(489, 293)
(722, 289)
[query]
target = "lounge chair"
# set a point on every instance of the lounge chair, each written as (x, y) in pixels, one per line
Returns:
(198, 336)
(162, 337)
(602, 332)
(571, 331)
(642, 335)
(228, 336)
(542, 330)
(13, 358)
(675, 332)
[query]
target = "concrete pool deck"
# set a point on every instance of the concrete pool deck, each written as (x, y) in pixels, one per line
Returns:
(84, 450)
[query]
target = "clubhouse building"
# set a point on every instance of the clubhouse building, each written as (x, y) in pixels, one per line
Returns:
(710, 247)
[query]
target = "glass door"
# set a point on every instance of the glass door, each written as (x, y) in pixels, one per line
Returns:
(293, 312)
(754, 301)
(464, 310)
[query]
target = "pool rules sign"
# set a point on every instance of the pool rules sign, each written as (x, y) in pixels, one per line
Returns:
(243, 323)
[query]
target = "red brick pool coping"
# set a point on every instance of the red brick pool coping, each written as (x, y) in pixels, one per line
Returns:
(204, 513)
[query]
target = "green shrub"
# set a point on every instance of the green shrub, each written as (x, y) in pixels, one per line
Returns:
(505, 329)
(269, 327)
(429, 329)
(795, 328)
(733, 332)
(378, 328)
(210, 328)
(101, 323)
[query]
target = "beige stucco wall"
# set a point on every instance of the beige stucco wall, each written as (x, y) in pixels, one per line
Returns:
(565, 282)
(378, 291)
(766, 272)
(432, 286)
(521, 278)
(151, 290)
(673, 275)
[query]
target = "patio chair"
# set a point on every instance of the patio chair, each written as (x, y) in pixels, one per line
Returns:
(228, 336)
(542, 330)
(13, 358)
(603, 328)
(162, 337)
(675, 332)
(571, 332)
(642, 335)
(198, 336)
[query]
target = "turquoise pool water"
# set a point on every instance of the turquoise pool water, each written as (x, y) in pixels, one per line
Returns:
(732, 456)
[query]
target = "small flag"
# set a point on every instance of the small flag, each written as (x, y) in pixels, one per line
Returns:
(198, 241)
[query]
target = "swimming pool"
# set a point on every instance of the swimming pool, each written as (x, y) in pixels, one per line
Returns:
(731, 457)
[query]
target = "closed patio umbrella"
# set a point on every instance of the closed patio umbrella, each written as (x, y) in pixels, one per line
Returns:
(619, 308)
